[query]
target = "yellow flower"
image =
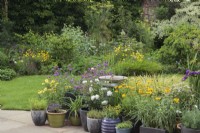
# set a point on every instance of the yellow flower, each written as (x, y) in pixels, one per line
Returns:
(167, 90)
(123, 95)
(140, 91)
(176, 100)
(46, 81)
(157, 98)
(116, 91)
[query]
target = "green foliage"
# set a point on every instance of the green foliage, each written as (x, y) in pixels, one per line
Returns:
(31, 40)
(82, 64)
(186, 14)
(143, 34)
(95, 114)
(130, 67)
(81, 42)
(97, 18)
(75, 105)
(6, 33)
(191, 119)
(4, 61)
(61, 48)
(156, 114)
(7, 74)
(38, 104)
(112, 111)
(125, 124)
(180, 43)
(161, 12)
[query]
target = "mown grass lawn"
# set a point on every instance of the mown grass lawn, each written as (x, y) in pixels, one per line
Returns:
(15, 94)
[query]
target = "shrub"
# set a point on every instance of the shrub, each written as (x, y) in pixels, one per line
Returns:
(129, 67)
(180, 43)
(3, 60)
(7, 74)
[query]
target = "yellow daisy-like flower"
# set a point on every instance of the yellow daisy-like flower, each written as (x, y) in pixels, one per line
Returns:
(176, 100)
(123, 95)
(116, 91)
(157, 98)
(167, 90)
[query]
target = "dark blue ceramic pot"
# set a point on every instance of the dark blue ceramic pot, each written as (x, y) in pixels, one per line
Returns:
(108, 125)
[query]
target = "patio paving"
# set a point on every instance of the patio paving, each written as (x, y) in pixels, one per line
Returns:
(21, 122)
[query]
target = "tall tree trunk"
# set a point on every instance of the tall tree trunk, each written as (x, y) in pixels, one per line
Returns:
(5, 10)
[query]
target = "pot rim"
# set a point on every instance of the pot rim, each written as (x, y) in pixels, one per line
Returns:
(62, 111)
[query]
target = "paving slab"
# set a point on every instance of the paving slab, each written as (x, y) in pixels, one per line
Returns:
(21, 122)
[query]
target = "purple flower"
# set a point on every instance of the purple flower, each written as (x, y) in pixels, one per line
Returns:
(190, 73)
(56, 73)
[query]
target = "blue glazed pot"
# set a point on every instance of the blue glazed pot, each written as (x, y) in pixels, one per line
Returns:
(108, 125)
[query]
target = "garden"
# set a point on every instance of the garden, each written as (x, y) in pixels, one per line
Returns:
(103, 65)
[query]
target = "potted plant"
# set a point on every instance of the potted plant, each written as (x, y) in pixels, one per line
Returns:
(124, 127)
(156, 115)
(38, 111)
(190, 121)
(74, 107)
(54, 93)
(56, 115)
(94, 118)
(111, 119)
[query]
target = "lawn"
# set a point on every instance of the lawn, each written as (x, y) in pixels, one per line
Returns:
(15, 94)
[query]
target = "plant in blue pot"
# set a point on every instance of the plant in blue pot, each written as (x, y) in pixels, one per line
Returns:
(111, 119)
(124, 127)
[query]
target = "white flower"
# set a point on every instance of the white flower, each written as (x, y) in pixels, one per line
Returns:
(105, 102)
(84, 82)
(93, 97)
(106, 82)
(109, 93)
(97, 96)
(104, 88)
(91, 81)
(90, 89)
(178, 112)
(196, 106)
(96, 80)
(92, 68)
